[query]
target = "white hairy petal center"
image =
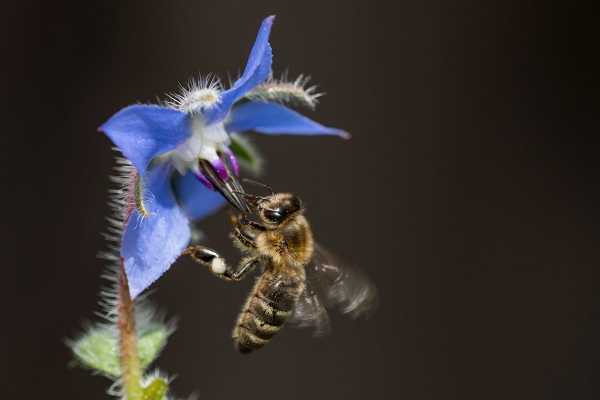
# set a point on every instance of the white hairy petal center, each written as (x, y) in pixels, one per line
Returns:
(203, 143)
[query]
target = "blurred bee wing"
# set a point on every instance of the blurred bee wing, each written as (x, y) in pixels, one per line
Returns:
(309, 312)
(341, 286)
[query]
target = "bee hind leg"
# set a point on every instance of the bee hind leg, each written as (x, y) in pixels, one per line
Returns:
(217, 264)
(209, 258)
(247, 265)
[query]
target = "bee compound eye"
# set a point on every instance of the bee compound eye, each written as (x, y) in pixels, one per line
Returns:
(273, 215)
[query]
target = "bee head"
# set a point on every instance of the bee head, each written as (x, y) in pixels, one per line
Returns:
(276, 208)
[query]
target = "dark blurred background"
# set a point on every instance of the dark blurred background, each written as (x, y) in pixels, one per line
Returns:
(468, 192)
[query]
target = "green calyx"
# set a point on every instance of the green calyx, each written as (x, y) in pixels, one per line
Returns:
(98, 349)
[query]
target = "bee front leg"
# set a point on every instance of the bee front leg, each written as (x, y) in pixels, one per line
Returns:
(217, 264)
(245, 236)
(252, 224)
(246, 231)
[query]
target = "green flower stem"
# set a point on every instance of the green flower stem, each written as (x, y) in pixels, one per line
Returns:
(131, 371)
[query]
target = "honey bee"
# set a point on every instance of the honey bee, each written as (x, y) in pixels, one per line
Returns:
(298, 277)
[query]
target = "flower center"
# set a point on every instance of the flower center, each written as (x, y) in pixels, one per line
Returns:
(203, 143)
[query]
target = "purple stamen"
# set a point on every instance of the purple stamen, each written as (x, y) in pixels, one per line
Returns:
(220, 169)
(204, 181)
(233, 161)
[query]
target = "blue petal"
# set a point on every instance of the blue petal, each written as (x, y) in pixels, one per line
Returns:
(275, 119)
(196, 199)
(257, 71)
(151, 245)
(143, 132)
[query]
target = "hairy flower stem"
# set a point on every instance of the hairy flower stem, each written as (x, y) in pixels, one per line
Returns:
(131, 372)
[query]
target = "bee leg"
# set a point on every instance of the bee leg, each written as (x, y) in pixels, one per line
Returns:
(245, 236)
(209, 258)
(247, 265)
(217, 264)
(252, 224)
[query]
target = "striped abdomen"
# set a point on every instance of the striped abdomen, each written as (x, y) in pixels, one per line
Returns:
(267, 308)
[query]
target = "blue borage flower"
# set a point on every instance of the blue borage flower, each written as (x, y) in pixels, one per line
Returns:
(181, 153)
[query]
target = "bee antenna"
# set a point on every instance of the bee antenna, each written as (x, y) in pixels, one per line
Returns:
(248, 195)
(259, 185)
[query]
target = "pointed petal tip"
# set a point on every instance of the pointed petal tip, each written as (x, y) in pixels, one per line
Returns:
(276, 119)
(256, 72)
(103, 128)
(344, 134)
(134, 292)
